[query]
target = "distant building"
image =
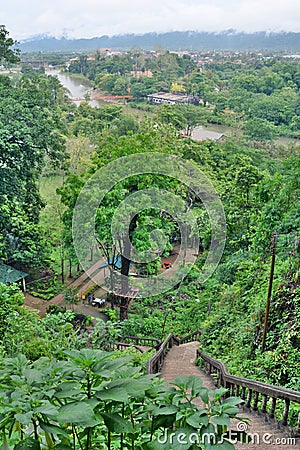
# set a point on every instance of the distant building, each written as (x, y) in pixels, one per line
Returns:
(159, 98)
(34, 63)
(141, 73)
(201, 134)
(108, 52)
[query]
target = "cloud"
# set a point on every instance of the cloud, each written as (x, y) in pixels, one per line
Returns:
(97, 17)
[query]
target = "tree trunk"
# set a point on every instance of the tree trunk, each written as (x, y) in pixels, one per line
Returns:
(124, 302)
(125, 267)
(62, 269)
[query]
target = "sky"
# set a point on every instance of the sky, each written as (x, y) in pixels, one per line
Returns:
(91, 18)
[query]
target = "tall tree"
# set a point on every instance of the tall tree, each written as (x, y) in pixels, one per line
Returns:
(30, 133)
(8, 55)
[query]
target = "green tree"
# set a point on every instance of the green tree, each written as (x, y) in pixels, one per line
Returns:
(31, 133)
(258, 129)
(8, 55)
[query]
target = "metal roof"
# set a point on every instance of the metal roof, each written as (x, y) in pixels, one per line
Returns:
(170, 96)
(10, 275)
(201, 134)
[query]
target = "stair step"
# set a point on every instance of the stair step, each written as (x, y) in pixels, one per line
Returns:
(180, 361)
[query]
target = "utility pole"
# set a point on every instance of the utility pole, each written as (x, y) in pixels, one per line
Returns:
(273, 253)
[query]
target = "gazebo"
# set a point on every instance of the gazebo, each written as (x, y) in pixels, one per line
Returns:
(9, 275)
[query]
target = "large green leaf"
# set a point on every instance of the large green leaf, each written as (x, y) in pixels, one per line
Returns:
(114, 394)
(223, 419)
(222, 445)
(116, 423)
(197, 420)
(78, 413)
(165, 411)
(53, 429)
(112, 365)
(48, 410)
(28, 444)
(24, 419)
(68, 389)
(33, 376)
(134, 387)
(233, 401)
(230, 410)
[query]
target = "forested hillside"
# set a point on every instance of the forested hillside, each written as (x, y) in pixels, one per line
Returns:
(226, 40)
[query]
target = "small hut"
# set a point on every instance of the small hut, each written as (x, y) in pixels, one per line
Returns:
(9, 275)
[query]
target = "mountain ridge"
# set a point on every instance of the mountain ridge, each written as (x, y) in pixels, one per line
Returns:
(173, 40)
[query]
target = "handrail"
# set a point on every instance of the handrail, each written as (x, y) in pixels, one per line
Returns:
(121, 346)
(189, 337)
(150, 342)
(252, 391)
(155, 364)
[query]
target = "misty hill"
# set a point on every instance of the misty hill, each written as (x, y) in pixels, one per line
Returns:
(184, 40)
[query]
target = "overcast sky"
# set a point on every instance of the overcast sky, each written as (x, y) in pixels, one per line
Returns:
(89, 18)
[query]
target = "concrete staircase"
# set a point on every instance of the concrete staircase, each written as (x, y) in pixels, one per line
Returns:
(180, 361)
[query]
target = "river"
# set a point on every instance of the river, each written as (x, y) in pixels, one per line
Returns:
(79, 87)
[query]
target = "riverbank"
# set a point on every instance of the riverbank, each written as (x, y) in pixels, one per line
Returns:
(79, 86)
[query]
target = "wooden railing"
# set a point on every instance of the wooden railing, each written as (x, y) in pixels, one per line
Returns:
(121, 346)
(258, 396)
(148, 342)
(155, 364)
(195, 336)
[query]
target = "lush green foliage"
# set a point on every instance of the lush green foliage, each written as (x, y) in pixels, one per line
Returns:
(258, 183)
(88, 399)
(260, 95)
(31, 133)
(7, 54)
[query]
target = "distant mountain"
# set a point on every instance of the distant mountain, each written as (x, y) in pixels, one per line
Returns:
(184, 40)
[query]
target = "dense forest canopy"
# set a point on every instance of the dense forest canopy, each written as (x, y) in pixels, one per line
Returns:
(256, 93)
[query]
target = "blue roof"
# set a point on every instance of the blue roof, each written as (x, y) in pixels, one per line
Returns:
(117, 262)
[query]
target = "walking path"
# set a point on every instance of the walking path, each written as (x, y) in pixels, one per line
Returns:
(93, 276)
(180, 361)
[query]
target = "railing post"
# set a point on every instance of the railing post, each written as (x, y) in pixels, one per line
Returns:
(286, 412)
(273, 407)
(256, 395)
(264, 404)
(298, 425)
(249, 397)
(243, 393)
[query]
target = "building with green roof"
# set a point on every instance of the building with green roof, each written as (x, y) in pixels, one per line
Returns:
(9, 275)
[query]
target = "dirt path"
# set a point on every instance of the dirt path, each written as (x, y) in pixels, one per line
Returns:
(95, 275)
(82, 283)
